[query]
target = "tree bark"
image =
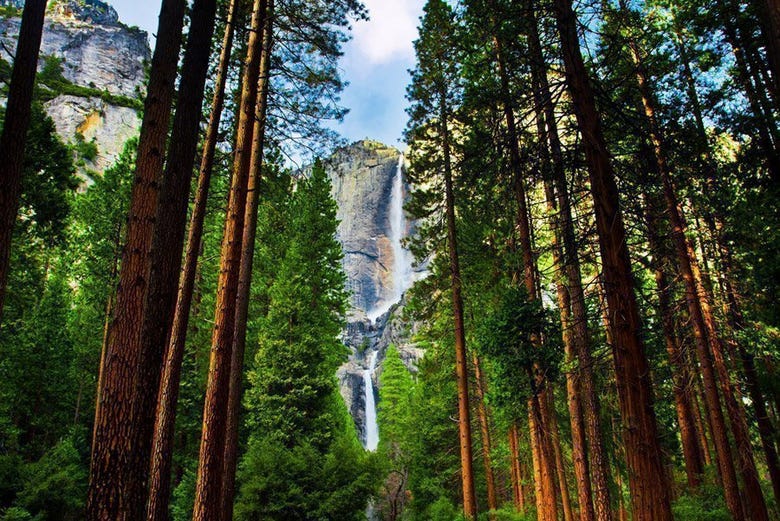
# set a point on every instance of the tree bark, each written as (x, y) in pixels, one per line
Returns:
(245, 270)
(593, 485)
(14, 134)
(116, 489)
(168, 394)
(692, 452)
(546, 493)
(484, 426)
(647, 478)
(517, 477)
(461, 360)
(772, 11)
(208, 490)
(702, 318)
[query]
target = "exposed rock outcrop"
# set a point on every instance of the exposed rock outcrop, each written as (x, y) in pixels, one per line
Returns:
(362, 176)
(103, 59)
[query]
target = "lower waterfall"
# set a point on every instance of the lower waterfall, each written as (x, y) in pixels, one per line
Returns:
(372, 428)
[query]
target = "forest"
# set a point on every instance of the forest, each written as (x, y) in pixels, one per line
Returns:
(594, 190)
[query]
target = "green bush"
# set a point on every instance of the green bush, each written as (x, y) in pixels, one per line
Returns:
(16, 514)
(707, 505)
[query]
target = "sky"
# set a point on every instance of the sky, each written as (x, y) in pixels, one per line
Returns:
(375, 64)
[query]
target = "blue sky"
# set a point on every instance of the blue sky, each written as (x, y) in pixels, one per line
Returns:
(375, 64)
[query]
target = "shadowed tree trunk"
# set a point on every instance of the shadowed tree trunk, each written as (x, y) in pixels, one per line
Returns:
(167, 242)
(692, 452)
(160, 473)
(116, 489)
(208, 489)
(517, 476)
(15, 126)
(650, 489)
(484, 426)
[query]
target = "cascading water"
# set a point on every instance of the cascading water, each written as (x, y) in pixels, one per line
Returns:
(372, 429)
(402, 277)
(402, 272)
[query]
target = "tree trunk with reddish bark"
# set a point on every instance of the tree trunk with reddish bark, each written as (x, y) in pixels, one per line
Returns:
(484, 427)
(117, 477)
(168, 394)
(461, 360)
(245, 272)
(650, 489)
(698, 307)
(208, 489)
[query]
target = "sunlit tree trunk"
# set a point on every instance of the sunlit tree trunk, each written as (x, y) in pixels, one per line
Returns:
(208, 489)
(461, 360)
(650, 489)
(245, 275)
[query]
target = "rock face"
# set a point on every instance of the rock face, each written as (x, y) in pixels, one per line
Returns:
(364, 178)
(98, 53)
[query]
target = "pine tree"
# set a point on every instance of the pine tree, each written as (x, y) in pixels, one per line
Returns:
(16, 122)
(433, 86)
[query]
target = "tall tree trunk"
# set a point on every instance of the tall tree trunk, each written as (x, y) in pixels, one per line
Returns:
(692, 452)
(245, 271)
(592, 486)
(647, 478)
(771, 8)
(109, 309)
(461, 360)
(116, 489)
(544, 477)
(557, 453)
(765, 126)
(733, 312)
(208, 489)
(13, 139)
(167, 242)
(702, 319)
(546, 495)
(484, 427)
(168, 394)
(517, 475)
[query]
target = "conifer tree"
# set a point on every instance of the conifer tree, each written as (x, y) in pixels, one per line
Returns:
(434, 84)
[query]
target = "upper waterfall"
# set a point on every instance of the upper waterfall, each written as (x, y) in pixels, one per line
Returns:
(402, 274)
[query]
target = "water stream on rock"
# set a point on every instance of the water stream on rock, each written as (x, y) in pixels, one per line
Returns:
(402, 272)
(372, 429)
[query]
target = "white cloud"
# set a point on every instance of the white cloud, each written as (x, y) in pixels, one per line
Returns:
(390, 32)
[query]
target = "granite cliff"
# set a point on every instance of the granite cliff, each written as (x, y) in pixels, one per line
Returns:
(369, 187)
(99, 66)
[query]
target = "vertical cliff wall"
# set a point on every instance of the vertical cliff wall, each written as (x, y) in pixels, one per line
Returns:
(370, 194)
(102, 64)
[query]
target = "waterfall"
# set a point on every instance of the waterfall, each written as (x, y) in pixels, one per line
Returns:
(402, 272)
(372, 429)
(402, 258)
